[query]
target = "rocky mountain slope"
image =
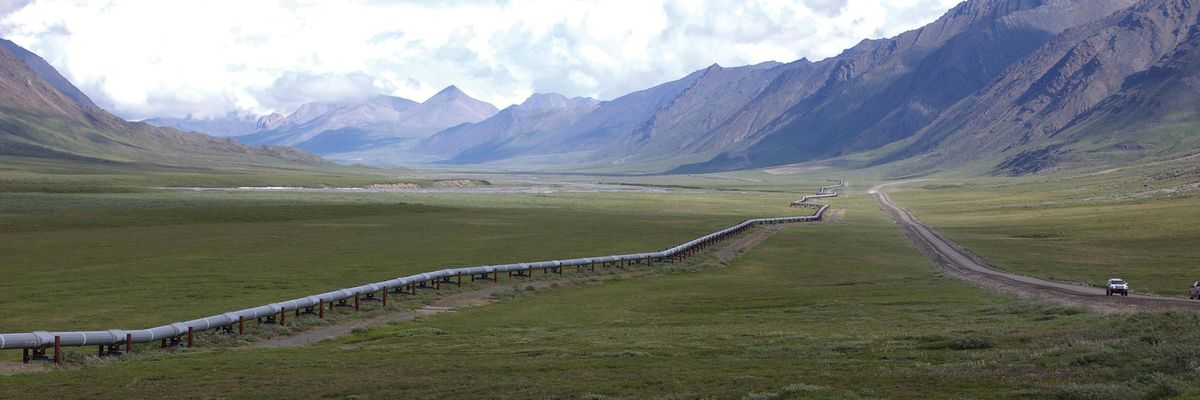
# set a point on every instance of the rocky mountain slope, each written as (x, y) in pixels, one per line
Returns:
(42, 115)
(1108, 71)
(882, 91)
(49, 74)
(875, 94)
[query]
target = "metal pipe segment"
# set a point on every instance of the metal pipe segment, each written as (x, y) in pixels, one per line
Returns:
(43, 339)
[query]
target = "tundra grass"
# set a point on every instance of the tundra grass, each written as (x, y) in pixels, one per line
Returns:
(1142, 225)
(834, 310)
(19, 174)
(131, 260)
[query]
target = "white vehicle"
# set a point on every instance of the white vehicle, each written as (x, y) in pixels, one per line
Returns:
(1195, 292)
(1116, 286)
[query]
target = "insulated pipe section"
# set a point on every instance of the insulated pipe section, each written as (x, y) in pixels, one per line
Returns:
(43, 339)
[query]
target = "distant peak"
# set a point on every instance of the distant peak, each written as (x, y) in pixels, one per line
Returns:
(543, 97)
(449, 93)
(554, 100)
(451, 90)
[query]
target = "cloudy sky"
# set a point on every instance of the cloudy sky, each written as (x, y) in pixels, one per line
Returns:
(143, 58)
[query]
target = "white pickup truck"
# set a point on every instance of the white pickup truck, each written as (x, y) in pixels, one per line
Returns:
(1116, 286)
(1195, 292)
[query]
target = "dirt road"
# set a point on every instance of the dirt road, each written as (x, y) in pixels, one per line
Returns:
(957, 261)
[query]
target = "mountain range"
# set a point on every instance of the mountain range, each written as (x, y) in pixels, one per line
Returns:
(994, 86)
(379, 121)
(44, 116)
(232, 124)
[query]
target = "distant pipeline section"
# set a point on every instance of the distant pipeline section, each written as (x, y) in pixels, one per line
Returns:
(180, 334)
(824, 191)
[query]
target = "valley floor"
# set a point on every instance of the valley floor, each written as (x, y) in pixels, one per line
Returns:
(832, 310)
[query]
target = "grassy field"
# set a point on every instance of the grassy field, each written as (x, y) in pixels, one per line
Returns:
(129, 260)
(25, 175)
(840, 310)
(1141, 224)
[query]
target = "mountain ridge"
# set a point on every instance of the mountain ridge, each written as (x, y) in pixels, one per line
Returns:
(1023, 111)
(39, 120)
(380, 120)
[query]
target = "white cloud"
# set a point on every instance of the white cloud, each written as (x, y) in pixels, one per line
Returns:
(142, 58)
(11, 6)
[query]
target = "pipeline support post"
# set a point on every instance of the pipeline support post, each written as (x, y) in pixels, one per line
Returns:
(128, 343)
(190, 330)
(357, 302)
(321, 308)
(241, 325)
(58, 350)
(385, 290)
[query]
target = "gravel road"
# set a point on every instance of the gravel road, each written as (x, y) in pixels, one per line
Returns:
(959, 262)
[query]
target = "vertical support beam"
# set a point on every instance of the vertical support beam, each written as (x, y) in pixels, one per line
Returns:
(241, 325)
(495, 276)
(321, 307)
(24, 356)
(460, 280)
(385, 290)
(58, 350)
(100, 351)
(164, 344)
(437, 284)
(357, 303)
(128, 343)
(189, 337)
(282, 316)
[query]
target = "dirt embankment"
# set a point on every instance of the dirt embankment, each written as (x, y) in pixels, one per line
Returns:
(392, 186)
(961, 263)
(459, 183)
(442, 184)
